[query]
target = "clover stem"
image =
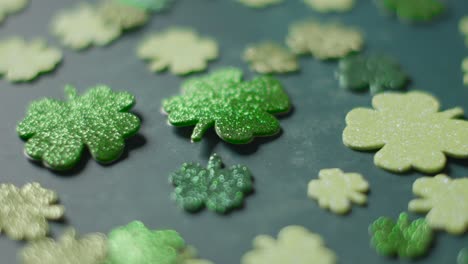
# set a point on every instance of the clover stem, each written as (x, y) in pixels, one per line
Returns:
(451, 113)
(70, 91)
(200, 129)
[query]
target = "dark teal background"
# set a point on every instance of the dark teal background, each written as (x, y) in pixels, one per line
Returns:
(98, 198)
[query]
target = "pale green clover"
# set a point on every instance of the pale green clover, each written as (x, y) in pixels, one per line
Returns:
(181, 50)
(409, 130)
(463, 26)
(11, 6)
(465, 71)
(326, 6)
(125, 16)
(270, 57)
(445, 200)
(24, 61)
(335, 190)
(83, 26)
(260, 3)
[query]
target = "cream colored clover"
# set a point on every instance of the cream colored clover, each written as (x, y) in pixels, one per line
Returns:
(125, 16)
(24, 61)
(83, 26)
(295, 244)
(335, 190)
(11, 6)
(465, 71)
(445, 200)
(409, 130)
(326, 6)
(270, 57)
(179, 49)
(324, 41)
(260, 3)
(463, 26)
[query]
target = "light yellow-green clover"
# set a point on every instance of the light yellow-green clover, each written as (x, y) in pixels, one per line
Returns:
(24, 61)
(465, 71)
(445, 200)
(326, 6)
(295, 244)
(11, 6)
(83, 26)
(190, 256)
(270, 57)
(324, 41)
(335, 190)
(260, 3)
(409, 130)
(463, 26)
(125, 16)
(181, 50)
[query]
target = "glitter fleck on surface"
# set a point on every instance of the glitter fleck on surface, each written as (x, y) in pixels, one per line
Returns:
(327, 6)
(260, 3)
(24, 61)
(463, 256)
(11, 6)
(125, 16)
(376, 72)
(58, 131)
(219, 189)
(444, 200)
(238, 110)
(295, 244)
(90, 249)
(409, 130)
(151, 5)
(24, 211)
(335, 190)
(414, 10)
(324, 41)
(270, 57)
(404, 238)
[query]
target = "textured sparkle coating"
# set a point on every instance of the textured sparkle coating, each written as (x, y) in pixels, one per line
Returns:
(415, 10)
(324, 41)
(181, 50)
(220, 189)
(327, 6)
(445, 200)
(24, 212)
(22, 61)
(463, 26)
(270, 57)
(11, 6)
(151, 5)
(58, 131)
(83, 26)
(465, 71)
(238, 110)
(136, 244)
(260, 3)
(91, 249)
(403, 238)
(335, 190)
(375, 71)
(295, 244)
(463, 256)
(125, 16)
(409, 130)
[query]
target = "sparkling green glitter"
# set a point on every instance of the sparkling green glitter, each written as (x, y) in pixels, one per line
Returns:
(24, 212)
(415, 10)
(238, 110)
(376, 71)
(91, 249)
(152, 5)
(57, 132)
(220, 189)
(270, 57)
(136, 244)
(403, 238)
(463, 256)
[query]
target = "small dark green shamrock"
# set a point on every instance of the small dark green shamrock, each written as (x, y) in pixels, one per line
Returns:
(375, 71)
(403, 238)
(220, 189)
(415, 10)
(463, 256)
(238, 110)
(57, 131)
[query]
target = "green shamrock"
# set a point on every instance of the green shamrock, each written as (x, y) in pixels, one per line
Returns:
(238, 110)
(57, 132)
(136, 244)
(376, 71)
(152, 5)
(463, 256)
(415, 10)
(403, 238)
(220, 189)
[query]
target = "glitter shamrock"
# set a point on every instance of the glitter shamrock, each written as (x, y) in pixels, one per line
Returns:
(260, 3)
(22, 61)
(405, 238)
(335, 190)
(83, 26)
(220, 189)
(376, 71)
(409, 131)
(151, 5)
(24, 212)
(238, 110)
(125, 16)
(57, 131)
(465, 71)
(90, 249)
(136, 244)
(445, 200)
(463, 26)
(414, 10)
(11, 6)
(270, 57)
(326, 6)
(179, 49)
(295, 244)
(463, 256)
(324, 41)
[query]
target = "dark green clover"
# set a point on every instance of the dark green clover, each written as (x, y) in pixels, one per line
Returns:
(220, 189)
(463, 256)
(376, 72)
(415, 10)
